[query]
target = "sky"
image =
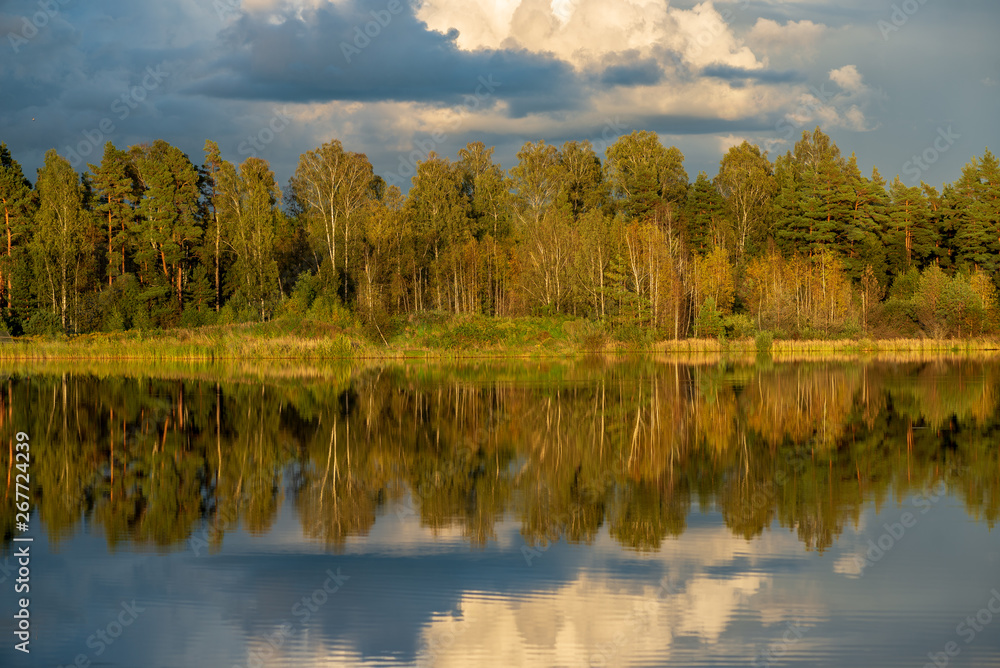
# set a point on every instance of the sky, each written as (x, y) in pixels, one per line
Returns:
(911, 86)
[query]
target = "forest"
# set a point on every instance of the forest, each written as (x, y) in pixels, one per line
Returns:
(801, 246)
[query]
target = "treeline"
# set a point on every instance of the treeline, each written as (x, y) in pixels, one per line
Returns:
(804, 245)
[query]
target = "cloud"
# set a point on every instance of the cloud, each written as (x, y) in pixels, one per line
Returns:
(798, 38)
(848, 78)
(646, 72)
(762, 75)
(583, 33)
(845, 108)
(692, 72)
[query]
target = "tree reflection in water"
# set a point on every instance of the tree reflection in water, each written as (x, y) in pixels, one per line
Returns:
(563, 447)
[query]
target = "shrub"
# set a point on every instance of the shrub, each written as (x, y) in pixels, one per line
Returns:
(307, 288)
(709, 320)
(738, 326)
(764, 341)
(43, 322)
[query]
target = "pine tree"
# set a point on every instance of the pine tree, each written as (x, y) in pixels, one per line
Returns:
(863, 232)
(169, 223)
(790, 223)
(973, 216)
(116, 189)
(909, 237)
(707, 222)
(15, 206)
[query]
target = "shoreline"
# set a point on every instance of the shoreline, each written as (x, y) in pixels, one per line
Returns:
(457, 338)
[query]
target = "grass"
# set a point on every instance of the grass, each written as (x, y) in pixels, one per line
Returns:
(231, 342)
(438, 336)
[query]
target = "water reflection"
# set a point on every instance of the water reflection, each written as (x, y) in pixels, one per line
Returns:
(566, 449)
(545, 513)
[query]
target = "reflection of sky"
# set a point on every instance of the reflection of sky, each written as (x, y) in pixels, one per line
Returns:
(416, 597)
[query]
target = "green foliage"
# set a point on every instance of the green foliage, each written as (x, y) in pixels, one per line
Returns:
(307, 288)
(738, 326)
(709, 321)
(805, 245)
(44, 323)
(905, 285)
(763, 342)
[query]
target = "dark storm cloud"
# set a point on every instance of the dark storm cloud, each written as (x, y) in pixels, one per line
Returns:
(763, 76)
(232, 70)
(643, 73)
(362, 52)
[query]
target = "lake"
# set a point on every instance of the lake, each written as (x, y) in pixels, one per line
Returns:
(597, 512)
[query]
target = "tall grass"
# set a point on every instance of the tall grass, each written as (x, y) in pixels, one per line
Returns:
(438, 336)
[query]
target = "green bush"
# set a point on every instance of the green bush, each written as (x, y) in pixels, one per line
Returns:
(894, 318)
(307, 288)
(738, 326)
(709, 319)
(43, 322)
(763, 342)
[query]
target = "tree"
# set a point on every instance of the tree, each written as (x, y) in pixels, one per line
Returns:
(169, 222)
(247, 201)
(814, 197)
(583, 186)
(547, 249)
(643, 173)
(332, 187)
(974, 211)
(714, 278)
(59, 231)
(115, 185)
(746, 183)
(862, 245)
(537, 179)
(705, 212)
(906, 214)
(15, 202)
(438, 210)
(211, 170)
(488, 191)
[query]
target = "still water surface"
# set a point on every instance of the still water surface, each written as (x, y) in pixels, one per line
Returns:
(593, 513)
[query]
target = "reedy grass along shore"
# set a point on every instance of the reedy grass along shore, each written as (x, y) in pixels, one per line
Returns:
(441, 336)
